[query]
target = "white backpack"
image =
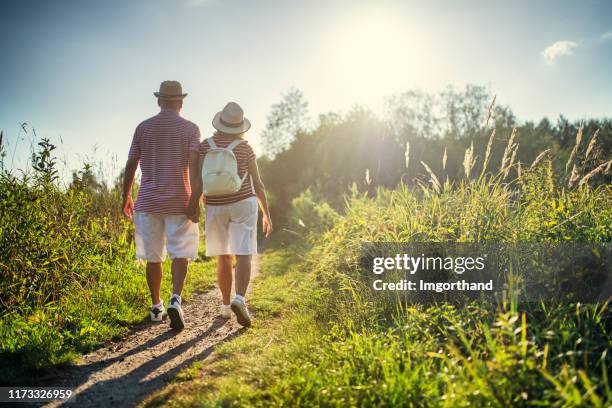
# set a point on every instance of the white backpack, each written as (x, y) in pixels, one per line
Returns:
(220, 170)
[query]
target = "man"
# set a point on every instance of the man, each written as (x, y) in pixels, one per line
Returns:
(161, 146)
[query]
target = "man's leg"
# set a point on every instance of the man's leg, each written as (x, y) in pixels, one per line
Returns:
(182, 244)
(179, 272)
(150, 240)
(175, 312)
(154, 278)
(224, 277)
(243, 273)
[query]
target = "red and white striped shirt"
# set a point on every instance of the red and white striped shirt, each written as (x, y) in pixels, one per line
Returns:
(162, 144)
(244, 155)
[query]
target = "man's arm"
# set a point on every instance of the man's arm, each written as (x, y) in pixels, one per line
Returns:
(195, 179)
(128, 180)
(260, 191)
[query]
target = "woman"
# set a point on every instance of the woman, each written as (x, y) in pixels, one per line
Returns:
(231, 219)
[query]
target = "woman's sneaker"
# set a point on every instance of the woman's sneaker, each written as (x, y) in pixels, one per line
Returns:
(175, 312)
(225, 311)
(157, 313)
(241, 311)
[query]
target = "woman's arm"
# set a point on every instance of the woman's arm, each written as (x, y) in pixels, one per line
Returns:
(195, 179)
(260, 191)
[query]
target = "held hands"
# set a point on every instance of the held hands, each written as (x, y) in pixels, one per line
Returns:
(128, 207)
(193, 211)
(267, 225)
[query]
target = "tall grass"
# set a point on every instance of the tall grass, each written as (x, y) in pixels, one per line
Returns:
(365, 351)
(68, 274)
(67, 270)
(393, 354)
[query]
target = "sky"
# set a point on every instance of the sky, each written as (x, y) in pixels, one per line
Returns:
(83, 73)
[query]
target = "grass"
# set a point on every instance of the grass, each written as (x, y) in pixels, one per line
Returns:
(322, 338)
(69, 279)
(283, 300)
(105, 308)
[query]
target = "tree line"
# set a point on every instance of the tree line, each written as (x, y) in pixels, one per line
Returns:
(419, 134)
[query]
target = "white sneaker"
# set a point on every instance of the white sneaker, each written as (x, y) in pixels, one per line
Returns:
(242, 314)
(157, 313)
(225, 311)
(175, 312)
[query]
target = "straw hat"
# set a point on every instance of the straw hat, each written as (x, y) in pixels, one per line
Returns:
(170, 90)
(231, 120)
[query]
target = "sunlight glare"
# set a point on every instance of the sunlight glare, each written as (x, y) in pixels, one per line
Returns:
(374, 54)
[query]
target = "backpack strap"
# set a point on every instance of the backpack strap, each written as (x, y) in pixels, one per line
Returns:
(231, 146)
(244, 178)
(211, 143)
(234, 144)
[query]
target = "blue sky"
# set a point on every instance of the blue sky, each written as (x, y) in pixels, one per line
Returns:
(85, 71)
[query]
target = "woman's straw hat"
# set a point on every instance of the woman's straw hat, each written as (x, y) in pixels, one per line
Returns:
(231, 120)
(170, 90)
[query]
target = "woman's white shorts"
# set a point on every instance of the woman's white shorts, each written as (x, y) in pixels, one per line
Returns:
(156, 233)
(231, 229)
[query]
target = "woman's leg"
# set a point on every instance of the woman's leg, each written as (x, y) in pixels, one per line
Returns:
(224, 277)
(243, 273)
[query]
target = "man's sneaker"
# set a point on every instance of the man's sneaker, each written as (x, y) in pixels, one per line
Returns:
(225, 311)
(157, 313)
(175, 312)
(242, 314)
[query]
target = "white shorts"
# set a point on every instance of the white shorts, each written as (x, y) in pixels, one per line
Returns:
(231, 229)
(154, 233)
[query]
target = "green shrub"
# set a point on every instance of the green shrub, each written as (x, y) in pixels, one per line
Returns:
(67, 269)
(311, 215)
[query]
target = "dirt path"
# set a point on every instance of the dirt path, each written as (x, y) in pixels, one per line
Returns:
(124, 372)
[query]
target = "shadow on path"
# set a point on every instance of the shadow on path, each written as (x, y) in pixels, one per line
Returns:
(132, 387)
(125, 372)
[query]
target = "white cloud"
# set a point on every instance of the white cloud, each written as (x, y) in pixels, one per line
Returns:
(606, 36)
(558, 49)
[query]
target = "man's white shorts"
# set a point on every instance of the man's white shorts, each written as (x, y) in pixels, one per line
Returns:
(231, 229)
(157, 232)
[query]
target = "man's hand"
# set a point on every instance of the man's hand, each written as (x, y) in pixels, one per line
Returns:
(128, 207)
(128, 179)
(267, 225)
(193, 212)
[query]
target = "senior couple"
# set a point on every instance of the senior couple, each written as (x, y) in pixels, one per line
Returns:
(166, 213)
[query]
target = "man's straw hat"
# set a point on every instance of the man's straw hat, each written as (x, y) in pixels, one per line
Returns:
(170, 90)
(231, 120)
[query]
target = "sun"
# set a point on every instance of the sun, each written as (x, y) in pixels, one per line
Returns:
(374, 52)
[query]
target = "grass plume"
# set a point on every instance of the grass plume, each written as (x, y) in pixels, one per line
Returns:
(469, 160)
(487, 156)
(572, 157)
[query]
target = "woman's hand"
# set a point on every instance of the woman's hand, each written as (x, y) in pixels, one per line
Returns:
(128, 207)
(267, 225)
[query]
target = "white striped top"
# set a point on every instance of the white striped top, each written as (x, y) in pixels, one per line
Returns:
(162, 144)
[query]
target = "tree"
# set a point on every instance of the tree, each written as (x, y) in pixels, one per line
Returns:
(453, 114)
(286, 119)
(412, 114)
